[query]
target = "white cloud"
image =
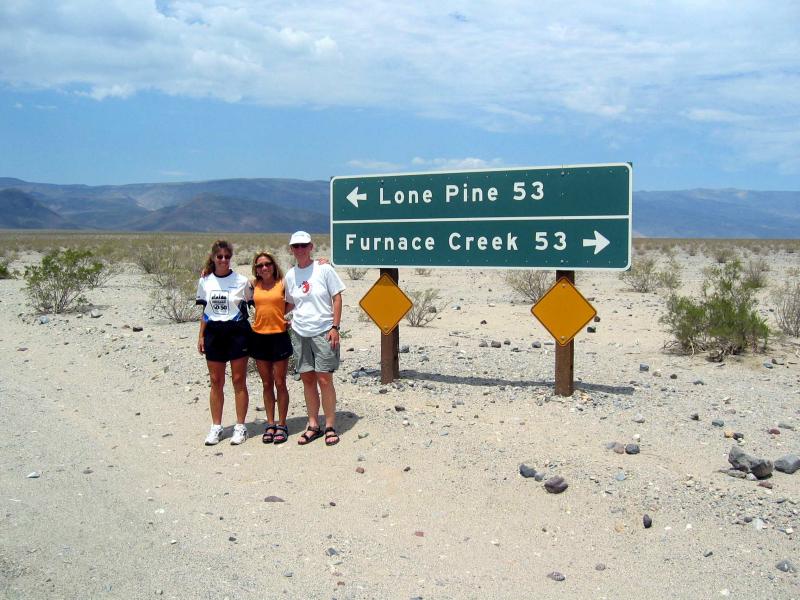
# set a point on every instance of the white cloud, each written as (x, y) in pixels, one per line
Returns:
(455, 164)
(503, 66)
(374, 165)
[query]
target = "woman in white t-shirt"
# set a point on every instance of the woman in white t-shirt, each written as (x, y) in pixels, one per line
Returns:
(224, 336)
(315, 291)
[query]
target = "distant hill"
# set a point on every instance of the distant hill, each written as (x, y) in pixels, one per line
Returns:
(726, 213)
(210, 212)
(280, 205)
(19, 210)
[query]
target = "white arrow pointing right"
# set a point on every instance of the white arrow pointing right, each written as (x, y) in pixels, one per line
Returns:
(354, 197)
(599, 242)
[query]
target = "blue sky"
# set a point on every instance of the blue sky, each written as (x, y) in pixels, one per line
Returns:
(695, 94)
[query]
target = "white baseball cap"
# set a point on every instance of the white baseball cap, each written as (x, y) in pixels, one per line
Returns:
(300, 237)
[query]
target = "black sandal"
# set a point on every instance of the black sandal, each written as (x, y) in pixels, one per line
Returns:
(281, 434)
(306, 438)
(268, 437)
(330, 434)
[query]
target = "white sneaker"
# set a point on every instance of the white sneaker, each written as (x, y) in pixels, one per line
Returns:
(214, 435)
(239, 434)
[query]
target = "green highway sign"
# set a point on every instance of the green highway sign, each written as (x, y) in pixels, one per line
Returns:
(575, 217)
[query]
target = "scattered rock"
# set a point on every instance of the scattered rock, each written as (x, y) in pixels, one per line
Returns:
(34, 475)
(760, 467)
(137, 328)
(788, 464)
(43, 320)
(647, 521)
(536, 345)
(600, 567)
(786, 567)
(399, 408)
(768, 365)
(556, 485)
(331, 552)
(360, 470)
(419, 533)
(639, 418)
(527, 471)
(591, 329)
(496, 344)
(632, 449)
(95, 314)
(556, 576)
(718, 423)
(774, 431)
(404, 349)
(644, 367)
(695, 417)
(274, 499)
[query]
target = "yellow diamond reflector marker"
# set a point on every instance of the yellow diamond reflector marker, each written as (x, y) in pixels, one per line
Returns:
(563, 311)
(386, 304)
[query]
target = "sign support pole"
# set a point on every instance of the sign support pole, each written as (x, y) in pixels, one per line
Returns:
(565, 355)
(390, 344)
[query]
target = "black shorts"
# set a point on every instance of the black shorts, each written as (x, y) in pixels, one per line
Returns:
(226, 340)
(272, 347)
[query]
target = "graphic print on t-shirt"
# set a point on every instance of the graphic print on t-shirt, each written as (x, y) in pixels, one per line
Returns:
(306, 287)
(219, 302)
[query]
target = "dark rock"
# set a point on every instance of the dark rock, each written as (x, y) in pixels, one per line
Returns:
(360, 470)
(404, 349)
(527, 471)
(774, 431)
(695, 417)
(483, 344)
(644, 367)
(331, 552)
(788, 464)
(647, 521)
(399, 407)
(496, 344)
(556, 485)
(760, 467)
(591, 329)
(765, 484)
(274, 499)
(632, 449)
(600, 567)
(738, 436)
(483, 322)
(673, 376)
(718, 423)
(596, 319)
(137, 328)
(786, 567)
(707, 553)
(556, 576)
(536, 345)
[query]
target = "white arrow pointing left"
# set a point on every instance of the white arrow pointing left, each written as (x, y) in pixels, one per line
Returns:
(599, 242)
(354, 197)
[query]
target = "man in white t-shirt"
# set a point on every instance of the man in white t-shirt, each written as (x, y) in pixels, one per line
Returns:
(315, 292)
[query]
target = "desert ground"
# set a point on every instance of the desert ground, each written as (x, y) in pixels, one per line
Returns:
(109, 492)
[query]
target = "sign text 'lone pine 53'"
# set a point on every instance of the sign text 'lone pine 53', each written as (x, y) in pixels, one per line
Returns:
(574, 217)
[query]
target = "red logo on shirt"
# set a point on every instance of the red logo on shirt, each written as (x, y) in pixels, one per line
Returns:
(306, 287)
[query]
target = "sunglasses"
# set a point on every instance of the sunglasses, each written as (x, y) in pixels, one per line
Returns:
(300, 245)
(224, 256)
(263, 265)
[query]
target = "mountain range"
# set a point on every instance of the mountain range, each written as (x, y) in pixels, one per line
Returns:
(281, 205)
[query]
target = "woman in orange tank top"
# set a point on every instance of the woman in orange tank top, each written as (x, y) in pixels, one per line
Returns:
(270, 344)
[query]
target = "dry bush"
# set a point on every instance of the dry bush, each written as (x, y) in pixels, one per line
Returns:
(425, 307)
(755, 273)
(642, 275)
(423, 272)
(787, 308)
(355, 273)
(531, 285)
(723, 254)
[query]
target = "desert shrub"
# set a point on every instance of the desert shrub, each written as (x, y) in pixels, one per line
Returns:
(424, 309)
(149, 257)
(57, 284)
(723, 254)
(642, 276)
(355, 273)
(669, 277)
(175, 288)
(5, 271)
(755, 273)
(175, 284)
(787, 308)
(531, 285)
(423, 272)
(723, 320)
